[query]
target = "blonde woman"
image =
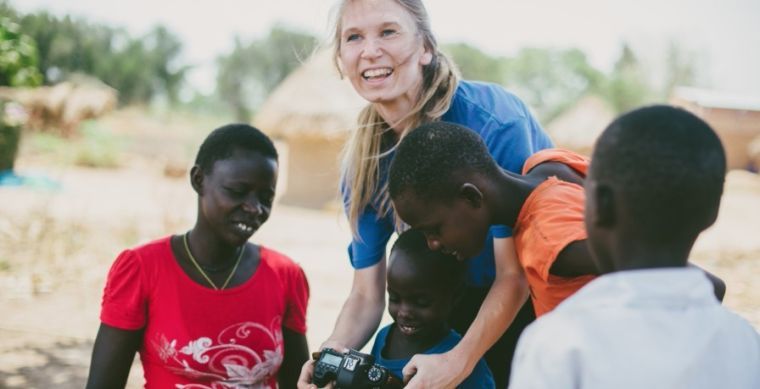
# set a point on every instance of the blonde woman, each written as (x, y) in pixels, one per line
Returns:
(388, 52)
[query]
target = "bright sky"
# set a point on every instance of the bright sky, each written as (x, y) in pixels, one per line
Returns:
(724, 33)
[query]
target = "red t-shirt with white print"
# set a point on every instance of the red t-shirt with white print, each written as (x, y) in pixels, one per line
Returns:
(197, 337)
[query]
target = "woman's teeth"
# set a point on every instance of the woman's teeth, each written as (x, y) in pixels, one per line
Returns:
(373, 73)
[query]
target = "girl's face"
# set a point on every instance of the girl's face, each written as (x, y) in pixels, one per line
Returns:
(419, 306)
(381, 52)
(235, 197)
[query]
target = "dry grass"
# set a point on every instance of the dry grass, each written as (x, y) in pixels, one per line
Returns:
(38, 246)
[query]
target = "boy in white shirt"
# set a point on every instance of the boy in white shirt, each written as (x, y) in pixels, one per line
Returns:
(650, 321)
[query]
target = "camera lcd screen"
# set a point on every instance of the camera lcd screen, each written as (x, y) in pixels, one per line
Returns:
(331, 359)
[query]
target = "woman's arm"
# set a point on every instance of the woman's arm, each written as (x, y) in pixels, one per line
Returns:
(359, 317)
(296, 354)
(112, 357)
(505, 298)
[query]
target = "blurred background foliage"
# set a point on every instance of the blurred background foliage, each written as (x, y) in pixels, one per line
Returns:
(148, 69)
(18, 56)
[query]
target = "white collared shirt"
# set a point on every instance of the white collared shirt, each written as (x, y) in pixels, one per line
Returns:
(658, 328)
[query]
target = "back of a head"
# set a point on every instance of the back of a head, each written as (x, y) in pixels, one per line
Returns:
(223, 141)
(429, 157)
(667, 168)
(433, 266)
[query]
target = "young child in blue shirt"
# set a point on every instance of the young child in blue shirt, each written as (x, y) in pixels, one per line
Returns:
(422, 288)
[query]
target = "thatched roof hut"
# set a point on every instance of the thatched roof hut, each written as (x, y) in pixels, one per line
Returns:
(578, 127)
(312, 111)
(63, 106)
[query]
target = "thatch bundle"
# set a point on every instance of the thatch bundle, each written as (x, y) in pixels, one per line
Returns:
(63, 106)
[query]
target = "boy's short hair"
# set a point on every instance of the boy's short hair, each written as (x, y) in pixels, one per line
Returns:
(670, 167)
(427, 158)
(223, 141)
(414, 244)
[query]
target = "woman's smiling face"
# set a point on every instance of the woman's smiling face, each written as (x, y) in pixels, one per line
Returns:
(381, 51)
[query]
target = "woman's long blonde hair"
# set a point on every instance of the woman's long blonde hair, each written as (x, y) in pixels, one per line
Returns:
(360, 167)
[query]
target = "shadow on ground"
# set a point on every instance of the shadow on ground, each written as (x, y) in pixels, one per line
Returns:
(57, 365)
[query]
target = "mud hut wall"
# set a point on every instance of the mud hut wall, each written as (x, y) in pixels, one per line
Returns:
(313, 172)
(735, 127)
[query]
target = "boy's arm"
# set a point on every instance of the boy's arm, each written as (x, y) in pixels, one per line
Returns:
(563, 172)
(719, 287)
(574, 261)
(505, 298)
(112, 357)
(296, 354)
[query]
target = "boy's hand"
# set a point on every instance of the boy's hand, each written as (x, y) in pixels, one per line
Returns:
(433, 371)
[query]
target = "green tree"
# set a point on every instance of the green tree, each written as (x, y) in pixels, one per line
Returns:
(139, 68)
(164, 50)
(251, 71)
(550, 80)
(680, 68)
(474, 64)
(232, 79)
(18, 56)
(627, 86)
(18, 67)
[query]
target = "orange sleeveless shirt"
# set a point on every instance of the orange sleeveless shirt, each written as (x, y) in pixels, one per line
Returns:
(550, 219)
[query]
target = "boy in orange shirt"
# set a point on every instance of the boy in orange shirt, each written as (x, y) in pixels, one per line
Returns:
(444, 183)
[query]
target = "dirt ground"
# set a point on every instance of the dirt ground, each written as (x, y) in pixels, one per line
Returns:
(57, 245)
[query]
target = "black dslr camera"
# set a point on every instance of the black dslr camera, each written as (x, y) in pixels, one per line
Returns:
(352, 370)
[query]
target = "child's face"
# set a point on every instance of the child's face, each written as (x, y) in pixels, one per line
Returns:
(236, 195)
(455, 227)
(418, 304)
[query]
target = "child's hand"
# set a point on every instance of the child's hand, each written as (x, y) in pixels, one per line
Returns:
(433, 371)
(307, 371)
(304, 380)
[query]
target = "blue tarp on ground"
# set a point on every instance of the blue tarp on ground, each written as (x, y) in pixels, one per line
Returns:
(36, 181)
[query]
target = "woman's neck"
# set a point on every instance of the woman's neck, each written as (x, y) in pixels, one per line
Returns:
(396, 112)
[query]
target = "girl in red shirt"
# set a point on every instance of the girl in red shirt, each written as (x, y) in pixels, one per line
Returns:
(208, 309)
